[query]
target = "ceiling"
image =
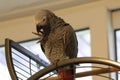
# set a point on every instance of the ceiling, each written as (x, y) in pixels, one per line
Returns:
(10, 9)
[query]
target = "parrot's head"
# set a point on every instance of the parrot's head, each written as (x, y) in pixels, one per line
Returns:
(42, 22)
(47, 21)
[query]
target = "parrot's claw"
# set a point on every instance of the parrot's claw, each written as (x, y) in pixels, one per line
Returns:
(36, 34)
(56, 62)
(39, 35)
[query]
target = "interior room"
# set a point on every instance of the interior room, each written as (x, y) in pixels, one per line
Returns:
(95, 22)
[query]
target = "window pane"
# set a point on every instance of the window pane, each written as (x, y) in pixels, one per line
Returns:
(84, 50)
(4, 74)
(118, 48)
(118, 44)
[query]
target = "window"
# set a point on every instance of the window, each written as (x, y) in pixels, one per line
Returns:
(115, 16)
(117, 45)
(4, 74)
(84, 49)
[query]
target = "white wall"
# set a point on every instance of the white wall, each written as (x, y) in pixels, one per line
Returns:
(17, 29)
(93, 15)
(116, 19)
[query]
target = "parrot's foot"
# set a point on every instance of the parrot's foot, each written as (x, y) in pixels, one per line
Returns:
(39, 35)
(56, 63)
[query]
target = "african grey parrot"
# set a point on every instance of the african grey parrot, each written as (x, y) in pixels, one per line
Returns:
(58, 40)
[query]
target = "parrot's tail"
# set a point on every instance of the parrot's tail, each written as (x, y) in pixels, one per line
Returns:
(66, 74)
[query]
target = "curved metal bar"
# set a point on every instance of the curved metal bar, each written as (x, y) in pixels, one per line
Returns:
(9, 60)
(74, 61)
(96, 72)
(105, 77)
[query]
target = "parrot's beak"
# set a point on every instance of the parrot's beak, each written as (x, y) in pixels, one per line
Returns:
(39, 28)
(39, 32)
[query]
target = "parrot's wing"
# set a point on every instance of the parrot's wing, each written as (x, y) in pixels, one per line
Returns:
(70, 42)
(70, 47)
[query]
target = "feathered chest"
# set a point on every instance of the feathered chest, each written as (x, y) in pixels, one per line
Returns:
(54, 39)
